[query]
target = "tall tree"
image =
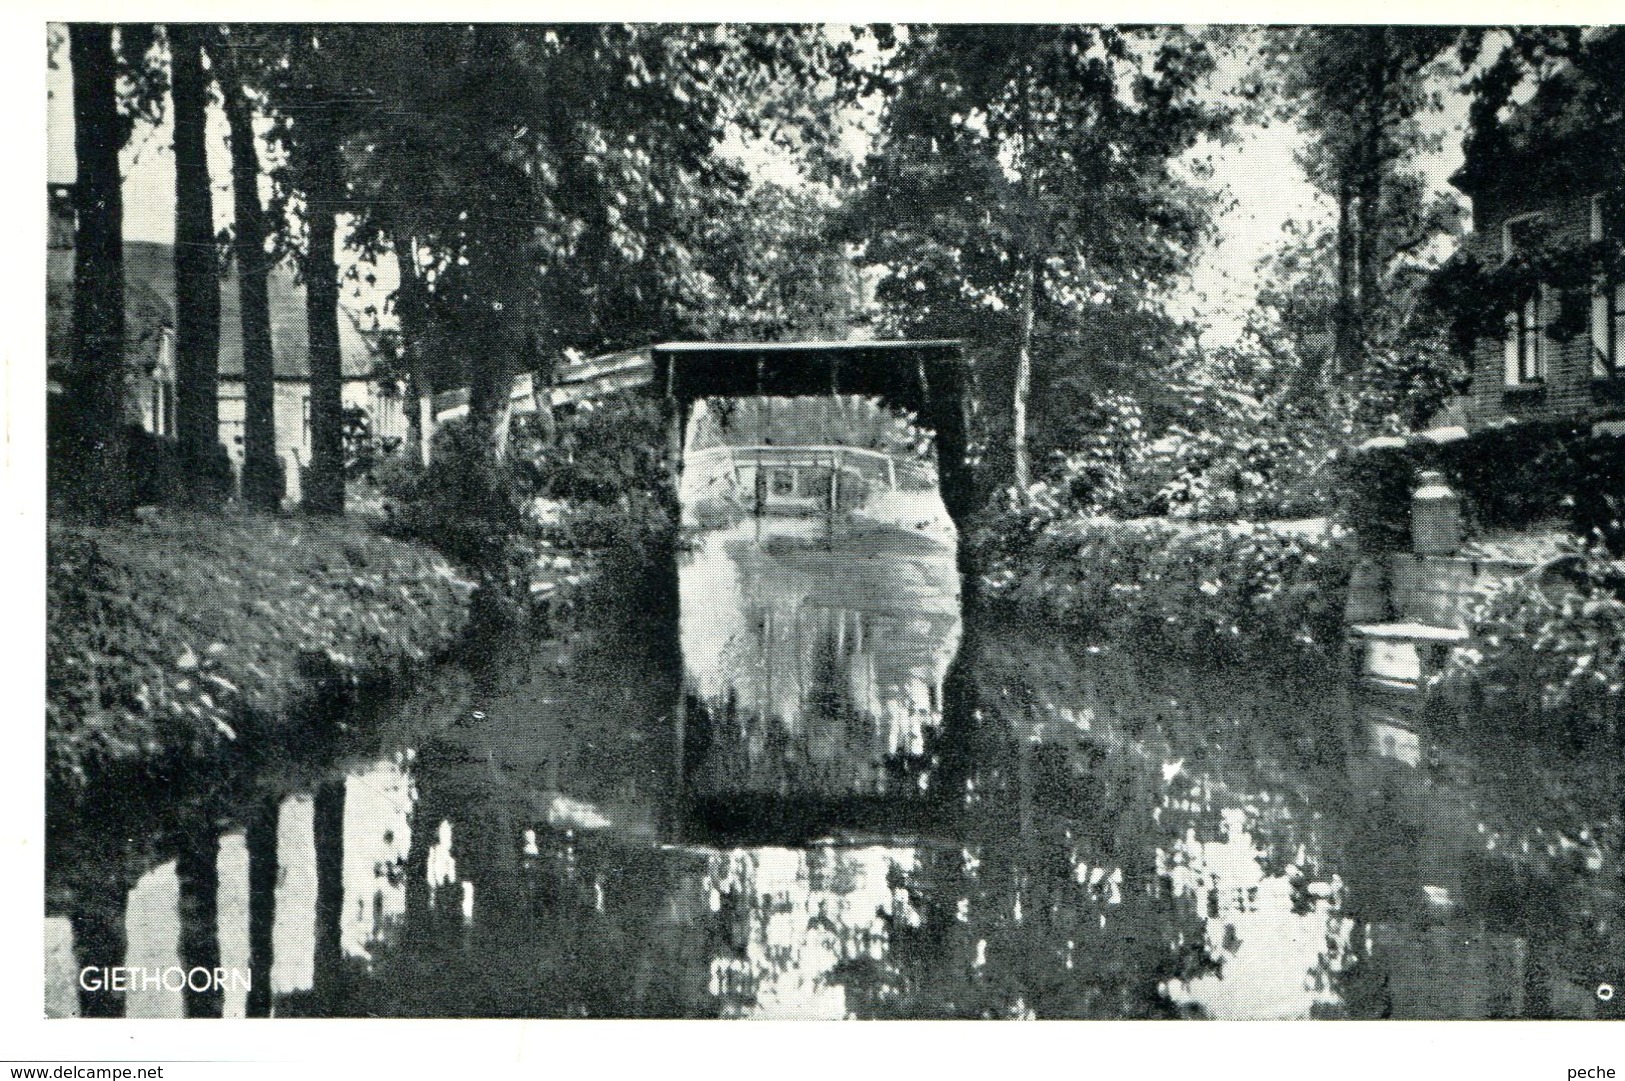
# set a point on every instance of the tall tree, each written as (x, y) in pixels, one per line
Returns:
(1359, 93)
(1300, 323)
(1026, 185)
(316, 87)
(262, 479)
(97, 473)
(316, 144)
(572, 209)
(197, 275)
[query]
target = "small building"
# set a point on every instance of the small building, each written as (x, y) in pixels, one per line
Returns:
(149, 322)
(149, 277)
(1550, 178)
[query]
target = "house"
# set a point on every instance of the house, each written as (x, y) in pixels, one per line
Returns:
(149, 274)
(149, 335)
(1550, 179)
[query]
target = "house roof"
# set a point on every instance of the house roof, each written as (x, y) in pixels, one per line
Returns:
(149, 290)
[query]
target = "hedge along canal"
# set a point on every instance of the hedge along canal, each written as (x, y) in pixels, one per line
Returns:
(202, 666)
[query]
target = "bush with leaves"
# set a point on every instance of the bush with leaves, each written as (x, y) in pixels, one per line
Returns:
(600, 473)
(171, 636)
(1230, 455)
(606, 466)
(1553, 646)
(472, 507)
(1512, 477)
(1107, 472)
(1202, 592)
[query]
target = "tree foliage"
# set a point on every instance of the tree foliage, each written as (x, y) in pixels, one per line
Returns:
(1026, 195)
(574, 208)
(1343, 302)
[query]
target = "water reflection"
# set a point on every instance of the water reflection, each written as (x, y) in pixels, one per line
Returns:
(293, 937)
(378, 801)
(784, 922)
(152, 932)
(854, 802)
(810, 669)
(233, 921)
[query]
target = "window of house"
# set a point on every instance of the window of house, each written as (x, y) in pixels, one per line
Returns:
(1526, 346)
(1607, 302)
(1526, 343)
(783, 482)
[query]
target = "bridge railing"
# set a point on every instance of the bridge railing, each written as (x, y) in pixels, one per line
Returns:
(891, 471)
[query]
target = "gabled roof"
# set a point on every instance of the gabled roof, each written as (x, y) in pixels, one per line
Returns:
(149, 290)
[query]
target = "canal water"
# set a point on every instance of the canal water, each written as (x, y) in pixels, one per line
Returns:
(849, 792)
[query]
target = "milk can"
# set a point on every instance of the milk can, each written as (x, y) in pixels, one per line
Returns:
(1435, 517)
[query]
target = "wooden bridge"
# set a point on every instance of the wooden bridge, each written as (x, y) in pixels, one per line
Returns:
(924, 378)
(927, 379)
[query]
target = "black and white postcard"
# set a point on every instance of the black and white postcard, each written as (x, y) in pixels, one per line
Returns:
(1094, 521)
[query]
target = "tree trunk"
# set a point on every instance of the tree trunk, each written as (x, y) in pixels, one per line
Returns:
(262, 479)
(1024, 376)
(409, 310)
(1343, 315)
(413, 407)
(490, 390)
(317, 141)
(197, 279)
(490, 404)
(96, 471)
(1370, 184)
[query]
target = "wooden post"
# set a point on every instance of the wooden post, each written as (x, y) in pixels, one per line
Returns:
(834, 490)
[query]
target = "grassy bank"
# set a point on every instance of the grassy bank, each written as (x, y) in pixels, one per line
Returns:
(184, 633)
(1198, 592)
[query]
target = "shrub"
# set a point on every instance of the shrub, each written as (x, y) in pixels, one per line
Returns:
(605, 465)
(396, 474)
(470, 506)
(1553, 647)
(1200, 591)
(167, 637)
(1509, 478)
(364, 452)
(265, 481)
(598, 453)
(1233, 457)
(161, 473)
(155, 468)
(211, 476)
